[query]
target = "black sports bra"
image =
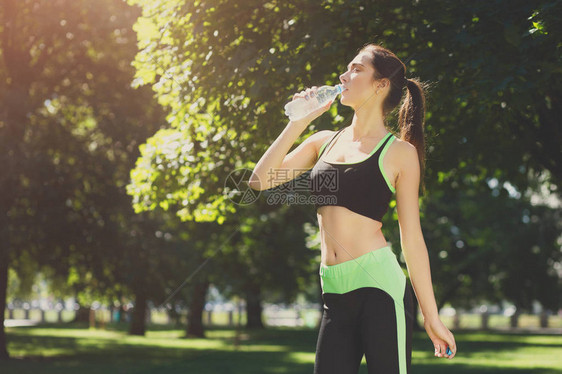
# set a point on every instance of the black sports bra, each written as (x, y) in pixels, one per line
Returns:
(361, 187)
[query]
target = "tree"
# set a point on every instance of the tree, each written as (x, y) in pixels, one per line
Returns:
(69, 127)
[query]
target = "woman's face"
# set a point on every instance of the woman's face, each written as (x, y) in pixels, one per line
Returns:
(359, 81)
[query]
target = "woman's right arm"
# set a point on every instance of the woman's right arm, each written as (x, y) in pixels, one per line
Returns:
(276, 167)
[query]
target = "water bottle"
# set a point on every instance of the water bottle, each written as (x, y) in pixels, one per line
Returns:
(300, 107)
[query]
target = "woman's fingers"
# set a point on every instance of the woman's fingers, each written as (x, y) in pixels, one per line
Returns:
(307, 94)
(453, 347)
(299, 94)
(438, 350)
(312, 91)
(441, 350)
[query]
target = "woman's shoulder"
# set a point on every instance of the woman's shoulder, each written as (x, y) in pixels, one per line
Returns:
(322, 136)
(402, 151)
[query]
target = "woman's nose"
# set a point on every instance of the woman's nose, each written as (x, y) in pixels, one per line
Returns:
(342, 78)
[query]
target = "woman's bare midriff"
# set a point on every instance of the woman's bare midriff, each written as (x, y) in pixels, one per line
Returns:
(346, 235)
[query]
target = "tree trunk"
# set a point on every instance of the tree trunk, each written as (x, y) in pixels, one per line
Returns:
(138, 324)
(16, 105)
(195, 310)
(82, 314)
(3, 294)
(253, 307)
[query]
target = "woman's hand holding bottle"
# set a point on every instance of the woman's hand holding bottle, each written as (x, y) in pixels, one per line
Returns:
(310, 94)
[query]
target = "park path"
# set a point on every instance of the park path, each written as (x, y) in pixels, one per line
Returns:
(19, 322)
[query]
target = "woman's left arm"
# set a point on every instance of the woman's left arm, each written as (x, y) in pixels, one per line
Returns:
(411, 236)
(414, 248)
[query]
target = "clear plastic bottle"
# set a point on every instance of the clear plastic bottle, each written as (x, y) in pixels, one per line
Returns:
(300, 107)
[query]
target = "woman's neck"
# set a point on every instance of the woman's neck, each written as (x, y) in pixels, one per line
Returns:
(367, 125)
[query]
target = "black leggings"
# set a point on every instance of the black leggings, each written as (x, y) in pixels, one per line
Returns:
(363, 320)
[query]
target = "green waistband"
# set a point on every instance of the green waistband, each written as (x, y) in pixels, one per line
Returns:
(378, 268)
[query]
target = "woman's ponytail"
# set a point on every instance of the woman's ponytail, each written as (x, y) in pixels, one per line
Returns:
(412, 112)
(411, 121)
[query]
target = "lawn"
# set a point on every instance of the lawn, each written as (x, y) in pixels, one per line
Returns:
(72, 348)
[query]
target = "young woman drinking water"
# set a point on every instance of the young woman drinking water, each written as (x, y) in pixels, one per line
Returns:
(368, 306)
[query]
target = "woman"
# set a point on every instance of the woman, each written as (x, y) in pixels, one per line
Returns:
(367, 303)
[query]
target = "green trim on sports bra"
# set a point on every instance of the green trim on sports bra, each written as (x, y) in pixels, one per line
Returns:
(386, 178)
(326, 143)
(322, 148)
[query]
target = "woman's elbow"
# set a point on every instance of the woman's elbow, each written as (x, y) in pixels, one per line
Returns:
(254, 182)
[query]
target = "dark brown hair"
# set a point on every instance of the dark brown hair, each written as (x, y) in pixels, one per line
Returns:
(412, 112)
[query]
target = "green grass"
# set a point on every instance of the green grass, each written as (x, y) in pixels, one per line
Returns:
(72, 348)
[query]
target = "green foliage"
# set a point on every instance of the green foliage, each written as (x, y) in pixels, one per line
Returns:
(490, 115)
(172, 169)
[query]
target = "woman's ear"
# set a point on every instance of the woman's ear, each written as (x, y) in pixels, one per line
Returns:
(378, 85)
(381, 84)
(385, 82)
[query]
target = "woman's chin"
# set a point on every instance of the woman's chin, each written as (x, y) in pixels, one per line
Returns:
(344, 101)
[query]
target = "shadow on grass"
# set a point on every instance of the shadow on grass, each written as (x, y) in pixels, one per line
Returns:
(130, 358)
(274, 350)
(270, 351)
